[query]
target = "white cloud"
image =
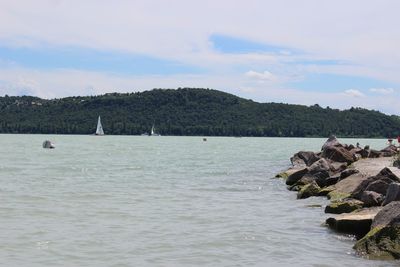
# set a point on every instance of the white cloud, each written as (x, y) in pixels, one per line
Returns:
(383, 91)
(266, 75)
(177, 30)
(60, 83)
(353, 93)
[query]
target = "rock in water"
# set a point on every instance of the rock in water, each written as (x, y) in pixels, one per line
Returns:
(302, 158)
(344, 206)
(357, 223)
(296, 176)
(383, 240)
(309, 190)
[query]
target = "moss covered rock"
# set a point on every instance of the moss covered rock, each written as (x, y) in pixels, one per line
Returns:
(380, 243)
(287, 173)
(343, 206)
(326, 190)
(336, 195)
(383, 240)
(309, 190)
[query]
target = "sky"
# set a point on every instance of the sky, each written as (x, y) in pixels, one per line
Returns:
(332, 53)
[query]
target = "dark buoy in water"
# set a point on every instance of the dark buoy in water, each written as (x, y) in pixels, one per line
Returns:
(48, 144)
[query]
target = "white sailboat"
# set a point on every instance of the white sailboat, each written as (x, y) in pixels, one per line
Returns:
(99, 129)
(153, 132)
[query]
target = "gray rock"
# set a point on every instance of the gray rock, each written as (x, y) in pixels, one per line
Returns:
(357, 223)
(392, 194)
(339, 154)
(337, 166)
(389, 151)
(389, 215)
(383, 240)
(332, 180)
(375, 154)
(364, 153)
(371, 198)
(344, 206)
(309, 190)
(296, 176)
(306, 179)
(319, 166)
(321, 178)
(332, 141)
(304, 157)
(378, 183)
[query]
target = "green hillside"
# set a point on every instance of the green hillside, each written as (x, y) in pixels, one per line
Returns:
(187, 112)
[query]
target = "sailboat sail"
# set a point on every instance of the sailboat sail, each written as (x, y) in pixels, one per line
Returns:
(99, 129)
(153, 132)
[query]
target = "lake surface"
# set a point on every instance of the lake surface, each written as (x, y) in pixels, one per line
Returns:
(161, 201)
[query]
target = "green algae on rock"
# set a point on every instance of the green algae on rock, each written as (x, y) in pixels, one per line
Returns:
(343, 206)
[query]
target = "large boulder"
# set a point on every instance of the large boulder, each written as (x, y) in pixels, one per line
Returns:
(383, 240)
(357, 223)
(389, 151)
(302, 158)
(331, 142)
(296, 176)
(392, 194)
(346, 187)
(378, 183)
(389, 215)
(319, 166)
(339, 154)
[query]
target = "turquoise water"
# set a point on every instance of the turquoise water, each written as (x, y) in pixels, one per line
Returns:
(161, 201)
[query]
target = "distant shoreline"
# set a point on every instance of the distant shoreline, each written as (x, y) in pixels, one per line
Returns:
(189, 112)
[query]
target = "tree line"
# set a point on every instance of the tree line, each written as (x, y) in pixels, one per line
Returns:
(188, 111)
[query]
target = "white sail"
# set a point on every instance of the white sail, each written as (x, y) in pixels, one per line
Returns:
(153, 132)
(99, 129)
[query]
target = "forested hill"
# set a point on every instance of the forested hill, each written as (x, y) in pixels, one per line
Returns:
(187, 112)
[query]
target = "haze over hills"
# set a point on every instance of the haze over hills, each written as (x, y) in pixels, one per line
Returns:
(188, 111)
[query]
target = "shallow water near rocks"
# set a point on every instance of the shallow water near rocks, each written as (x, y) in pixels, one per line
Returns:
(161, 201)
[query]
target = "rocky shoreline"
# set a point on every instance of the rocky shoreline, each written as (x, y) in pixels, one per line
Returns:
(363, 186)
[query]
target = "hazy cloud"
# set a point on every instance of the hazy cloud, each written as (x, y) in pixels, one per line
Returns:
(266, 75)
(383, 91)
(353, 93)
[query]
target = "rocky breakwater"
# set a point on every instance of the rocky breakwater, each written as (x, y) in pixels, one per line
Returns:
(364, 191)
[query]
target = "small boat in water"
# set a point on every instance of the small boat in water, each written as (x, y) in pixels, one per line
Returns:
(48, 144)
(153, 132)
(99, 129)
